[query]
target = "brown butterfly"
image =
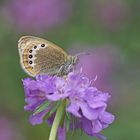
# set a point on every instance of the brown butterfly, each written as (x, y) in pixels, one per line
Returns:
(39, 56)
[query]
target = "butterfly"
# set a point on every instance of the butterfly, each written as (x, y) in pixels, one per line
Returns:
(39, 56)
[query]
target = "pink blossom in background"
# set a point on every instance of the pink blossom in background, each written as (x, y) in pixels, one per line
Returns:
(36, 15)
(111, 14)
(101, 62)
(8, 130)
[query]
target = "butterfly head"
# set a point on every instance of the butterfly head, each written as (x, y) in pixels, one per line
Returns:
(74, 60)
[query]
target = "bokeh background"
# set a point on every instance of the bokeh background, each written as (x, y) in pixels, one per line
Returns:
(108, 29)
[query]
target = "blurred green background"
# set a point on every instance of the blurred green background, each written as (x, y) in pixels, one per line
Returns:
(101, 25)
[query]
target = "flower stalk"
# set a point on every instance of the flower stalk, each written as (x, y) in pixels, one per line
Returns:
(56, 121)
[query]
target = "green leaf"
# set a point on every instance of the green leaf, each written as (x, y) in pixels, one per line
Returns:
(63, 115)
(42, 107)
(68, 119)
(67, 124)
(54, 108)
(68, 116)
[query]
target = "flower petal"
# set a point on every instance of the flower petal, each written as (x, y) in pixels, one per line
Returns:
(95, 105)
(88, 112)
(101, 96)
(62, 133)
(97, 135)
(73, 109)
(87, 126)
(53, 97)
(107, 117)
(38, 118)
(96, 126)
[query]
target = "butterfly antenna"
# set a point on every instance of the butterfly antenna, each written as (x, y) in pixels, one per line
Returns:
(82, 53)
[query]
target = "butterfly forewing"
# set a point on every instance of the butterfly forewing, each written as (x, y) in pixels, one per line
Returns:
(39, 56)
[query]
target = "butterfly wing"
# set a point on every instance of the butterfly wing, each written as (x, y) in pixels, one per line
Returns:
(38, 56)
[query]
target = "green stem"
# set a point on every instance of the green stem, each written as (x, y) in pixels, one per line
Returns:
(56, 121)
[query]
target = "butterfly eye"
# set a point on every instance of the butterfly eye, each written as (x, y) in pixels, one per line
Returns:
(30, 56)
(42, 45)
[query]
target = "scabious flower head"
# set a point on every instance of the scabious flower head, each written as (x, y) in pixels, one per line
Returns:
(36, 15)
(82, 102)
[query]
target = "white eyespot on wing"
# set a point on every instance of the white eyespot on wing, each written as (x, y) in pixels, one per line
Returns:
(32, 53)
(37, 47)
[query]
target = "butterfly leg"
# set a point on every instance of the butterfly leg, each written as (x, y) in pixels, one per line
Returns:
(60, 71)
(70, 68)
(65, 69)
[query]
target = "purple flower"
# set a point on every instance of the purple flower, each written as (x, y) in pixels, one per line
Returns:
(37, 15)
(82, 102)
